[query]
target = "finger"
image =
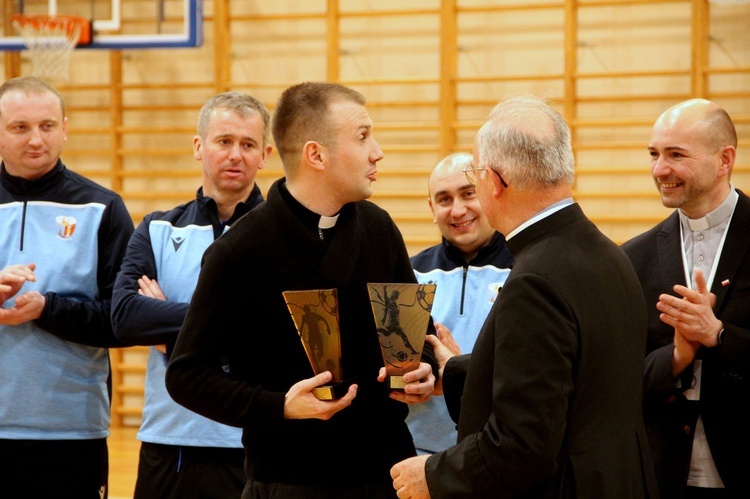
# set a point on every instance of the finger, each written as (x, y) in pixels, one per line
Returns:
(420, 373)
(673, 302)
(334, 406)
(350, 394)
(440, 329)
(316, 381)
(674, 313)
(18, 274)
(433, 340)
(148, 282)
(404, 398)
(22, 300)
(686, 293)
(444, 333)
(700, 281)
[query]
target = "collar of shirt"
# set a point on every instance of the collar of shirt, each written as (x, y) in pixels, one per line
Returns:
(549, 210)
(711, 221)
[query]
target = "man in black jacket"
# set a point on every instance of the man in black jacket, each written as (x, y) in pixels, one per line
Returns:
(552, 400)
(314, 232)
(469, 266)
(694, 268)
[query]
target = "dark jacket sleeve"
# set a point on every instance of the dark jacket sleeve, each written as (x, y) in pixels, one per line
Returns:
(137, 319)
(87, 321)
(454, 378)
(195, 376)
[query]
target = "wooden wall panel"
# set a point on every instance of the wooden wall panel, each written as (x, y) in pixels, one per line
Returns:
(431, 70)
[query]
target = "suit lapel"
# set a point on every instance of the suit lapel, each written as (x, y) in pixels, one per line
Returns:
(735, 250)
(669, 251)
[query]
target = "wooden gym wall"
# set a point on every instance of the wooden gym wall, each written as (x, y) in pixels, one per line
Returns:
(431, 70)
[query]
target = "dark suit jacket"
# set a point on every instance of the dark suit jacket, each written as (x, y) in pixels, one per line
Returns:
(552, 405)
(725, 384)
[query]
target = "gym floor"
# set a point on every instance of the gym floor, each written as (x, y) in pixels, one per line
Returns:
(123, 462)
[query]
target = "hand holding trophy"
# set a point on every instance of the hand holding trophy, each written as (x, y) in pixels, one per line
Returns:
(315, 315)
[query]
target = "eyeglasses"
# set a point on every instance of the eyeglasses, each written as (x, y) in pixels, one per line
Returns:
(472, 178)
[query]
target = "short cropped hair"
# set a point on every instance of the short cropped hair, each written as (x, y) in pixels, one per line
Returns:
(239, 103)
(31, 85)
(721, 129)
(302, 114)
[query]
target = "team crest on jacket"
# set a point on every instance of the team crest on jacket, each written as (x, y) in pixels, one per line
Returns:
(65, 226)
(494, 288)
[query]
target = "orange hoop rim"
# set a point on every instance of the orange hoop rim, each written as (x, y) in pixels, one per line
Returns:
(38, 21)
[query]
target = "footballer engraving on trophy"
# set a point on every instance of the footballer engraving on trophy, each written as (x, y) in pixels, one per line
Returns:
(402, 313)
(315, 315)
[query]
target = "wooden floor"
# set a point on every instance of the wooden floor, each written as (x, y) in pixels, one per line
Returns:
(123, 462)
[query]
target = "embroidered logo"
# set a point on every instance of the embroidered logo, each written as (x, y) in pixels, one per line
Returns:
(65, 226)
(177, 242)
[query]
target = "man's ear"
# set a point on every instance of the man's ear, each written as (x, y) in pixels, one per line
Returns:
(432, 209)
(315, 154)
(266, 153)
(497, 185)
(728, 155)
(197, 147)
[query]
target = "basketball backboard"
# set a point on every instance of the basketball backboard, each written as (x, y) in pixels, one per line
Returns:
(120, 24)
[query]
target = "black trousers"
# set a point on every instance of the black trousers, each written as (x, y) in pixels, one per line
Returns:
(703, 493)
(63, 469)
(176, 472)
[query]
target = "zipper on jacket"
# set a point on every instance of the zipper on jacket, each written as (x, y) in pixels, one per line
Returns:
(23, 226)
(463, 289)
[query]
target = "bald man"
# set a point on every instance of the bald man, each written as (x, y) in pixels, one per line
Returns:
(695, 271)
(469, 266)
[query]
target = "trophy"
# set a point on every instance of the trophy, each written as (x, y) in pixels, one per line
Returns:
(402, 313)
(315, 315)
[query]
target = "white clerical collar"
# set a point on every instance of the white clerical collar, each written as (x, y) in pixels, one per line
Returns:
(327, 222)
(549, 210)
(719, 215)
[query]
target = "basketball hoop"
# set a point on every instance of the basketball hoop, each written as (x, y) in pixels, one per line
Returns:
(50, 41)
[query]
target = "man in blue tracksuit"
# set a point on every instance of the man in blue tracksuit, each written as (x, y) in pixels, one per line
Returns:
(469, 267)
(184, 455)
(62, 238)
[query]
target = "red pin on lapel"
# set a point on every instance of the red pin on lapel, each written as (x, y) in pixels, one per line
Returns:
(725, 282)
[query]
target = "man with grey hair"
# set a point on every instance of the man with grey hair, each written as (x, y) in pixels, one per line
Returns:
(552, 398)
(469, 267)
(183, 454)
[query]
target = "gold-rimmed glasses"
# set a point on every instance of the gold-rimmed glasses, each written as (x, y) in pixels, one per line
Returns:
(472, 178)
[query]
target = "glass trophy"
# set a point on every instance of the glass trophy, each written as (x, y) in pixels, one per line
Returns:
(315, 315)
(402, 313)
